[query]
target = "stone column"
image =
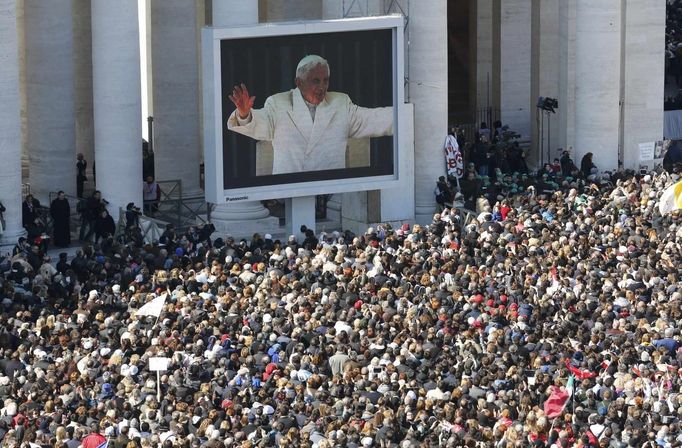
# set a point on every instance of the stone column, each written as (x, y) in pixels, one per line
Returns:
(544, 80)
(590, 46)
(82, 34)
(176, 93)
(332, 9)
(597, 81)
(484, 55)
(291, 10)
(515, 54)
(116, 101)
(644, 73)
(50, 97)
(10, 127)
(247, 217)
(21, 25)
(144, 9)
(234, 12)
(566, 114)
(428, 91)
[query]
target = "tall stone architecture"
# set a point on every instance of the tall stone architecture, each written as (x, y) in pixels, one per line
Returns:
(82, 57)
(10, 127)
(50, 96)
(428, 88)
(116, 101)
(485, 39)
(515, 59)
(643, 76)
(611, 72)
(70, 82)
(175, 84)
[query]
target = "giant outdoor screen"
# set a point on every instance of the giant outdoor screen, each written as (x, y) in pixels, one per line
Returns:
(297, 109)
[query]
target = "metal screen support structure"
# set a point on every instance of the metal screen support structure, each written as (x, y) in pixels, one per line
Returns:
(351, 6)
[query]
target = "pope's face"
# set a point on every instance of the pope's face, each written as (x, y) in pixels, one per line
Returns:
(314, 86)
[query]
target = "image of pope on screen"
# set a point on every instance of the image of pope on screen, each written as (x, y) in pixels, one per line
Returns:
(309, 127)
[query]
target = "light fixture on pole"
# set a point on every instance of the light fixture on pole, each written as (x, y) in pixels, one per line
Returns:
(548, 105)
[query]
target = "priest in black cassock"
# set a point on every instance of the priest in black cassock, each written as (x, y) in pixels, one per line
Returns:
(61, 213)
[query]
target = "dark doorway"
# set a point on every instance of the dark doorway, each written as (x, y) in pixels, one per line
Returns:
(461, 61)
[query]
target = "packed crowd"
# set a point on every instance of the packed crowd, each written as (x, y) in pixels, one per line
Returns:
(450, 334)
(494, 167)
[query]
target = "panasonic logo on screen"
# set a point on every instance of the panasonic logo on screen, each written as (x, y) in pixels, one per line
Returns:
(237, 198)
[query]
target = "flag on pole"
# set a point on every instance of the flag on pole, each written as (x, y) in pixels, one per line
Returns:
(152, 308)
(579, 373)
(453, 157)
(558, 398)
(671, 199)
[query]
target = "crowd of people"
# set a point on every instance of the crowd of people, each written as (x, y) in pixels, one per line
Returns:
(495, 167)
(451, 334)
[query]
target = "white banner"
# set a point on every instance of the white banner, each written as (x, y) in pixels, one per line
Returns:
(646, 151)
(453, 158)
(158, 364)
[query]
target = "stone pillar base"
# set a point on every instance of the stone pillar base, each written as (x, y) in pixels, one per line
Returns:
(243, 220)
(300, 211)
(246, 229)
(334, 208)
(9, 239)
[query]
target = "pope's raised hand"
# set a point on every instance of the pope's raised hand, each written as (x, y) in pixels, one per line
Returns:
(241, 99)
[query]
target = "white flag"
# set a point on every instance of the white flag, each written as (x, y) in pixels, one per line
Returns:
(671, 199)
(453, 158)
(152, 308)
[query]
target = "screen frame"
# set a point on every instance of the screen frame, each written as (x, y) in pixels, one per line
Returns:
(214, 120)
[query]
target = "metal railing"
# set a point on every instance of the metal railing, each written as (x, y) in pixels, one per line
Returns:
(181, 211)
(465, 216)
(487, 115)
(172, 208)
(151, 228)
(468, 130)
(45, 218)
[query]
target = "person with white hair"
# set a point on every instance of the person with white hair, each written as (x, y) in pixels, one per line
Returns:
(308, 126)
